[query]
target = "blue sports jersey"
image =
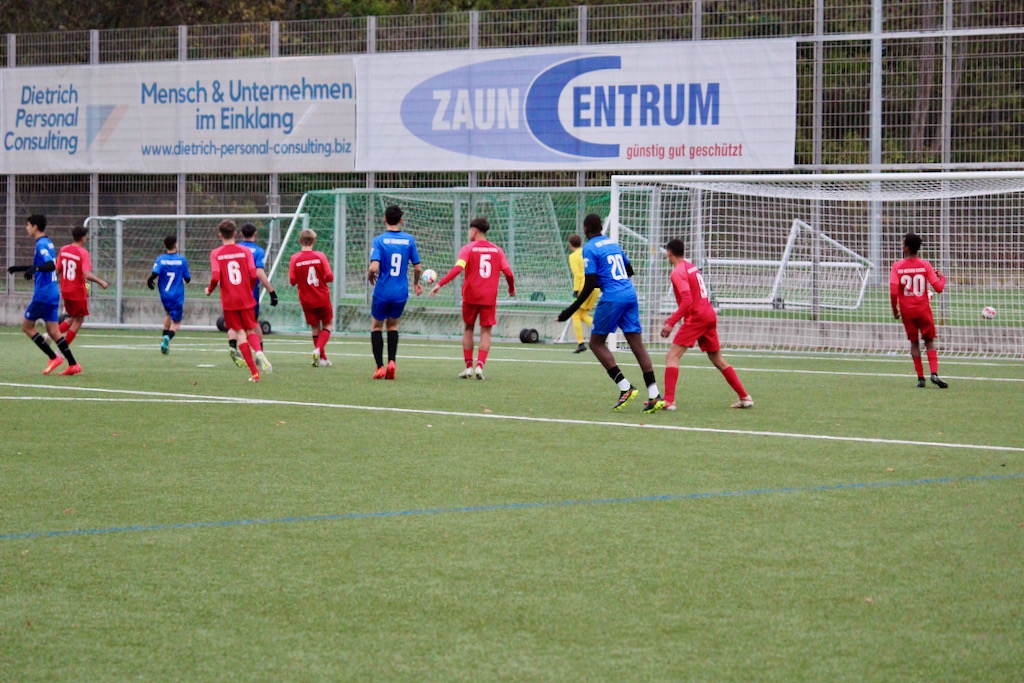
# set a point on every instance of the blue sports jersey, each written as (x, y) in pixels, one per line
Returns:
(259, 255)
(47, 285)
(395, 251)
(172, 270)
(603, 256)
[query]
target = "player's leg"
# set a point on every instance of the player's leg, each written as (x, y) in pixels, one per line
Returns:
(577, 327)
(636, 344)
(915, 355)
(467, 348)
(377, 343)
(606, 320)
(53, 329)
(324, 335)
(391, 324)
(933, 362)
(745, 400)
(28, 326)
(254, 335)
(485, 348)
(236, 355)
(75, 324)
(245, 348)
(675, 352)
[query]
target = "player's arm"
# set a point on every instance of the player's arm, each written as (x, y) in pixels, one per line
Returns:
(936, 279)
(589, 285)
(214, 274)
(92, 278)
(328, 273)
(417, 271)
(151, 282)
(681, 284)
(459, 266)
(261, 275)
(894, 293)
(506, 269)
(372, 272)
(186, 273)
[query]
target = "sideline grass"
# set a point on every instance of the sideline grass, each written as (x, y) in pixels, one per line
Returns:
(575, 548)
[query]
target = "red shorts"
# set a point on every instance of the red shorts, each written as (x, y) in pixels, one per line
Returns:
(317, 316)
(76, 309)
(488, 314)
(923, 324)
(698, 332)
(240, 320)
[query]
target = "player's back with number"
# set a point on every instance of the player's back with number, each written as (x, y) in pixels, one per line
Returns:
(73, 263)
(394, 250)
(172, 273)
(909, 280)
(311, 273)
(485, 261)
(605, 258)
(235, 269)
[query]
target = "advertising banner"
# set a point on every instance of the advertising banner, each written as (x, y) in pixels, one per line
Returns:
(672, 106)
(225, 116)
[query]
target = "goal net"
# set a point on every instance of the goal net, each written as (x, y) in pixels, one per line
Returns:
(801, 263)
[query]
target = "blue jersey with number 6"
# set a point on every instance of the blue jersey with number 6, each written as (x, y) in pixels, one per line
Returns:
(601, 255)
(172, 270)
(394, 251)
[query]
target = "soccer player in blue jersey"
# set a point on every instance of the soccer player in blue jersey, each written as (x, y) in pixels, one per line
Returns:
(45, 302)
(606, 268)
(259, 255)
(395, 249)
(170, 274)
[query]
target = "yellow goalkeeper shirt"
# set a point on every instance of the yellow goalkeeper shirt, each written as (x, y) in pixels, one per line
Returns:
(578, 278)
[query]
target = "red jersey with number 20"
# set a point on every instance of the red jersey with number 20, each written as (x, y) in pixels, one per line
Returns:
(692, 298)
(311, 272)
(234, 268)
(72, 264)
(482, 261)
(908, 282)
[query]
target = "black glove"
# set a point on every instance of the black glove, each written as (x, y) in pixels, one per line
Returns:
(18, 269)
(273, 298)
(152, 279)
(29, 272)
(562, 317)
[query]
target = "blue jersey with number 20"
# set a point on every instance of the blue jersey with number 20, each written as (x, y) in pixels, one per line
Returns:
(601, 255)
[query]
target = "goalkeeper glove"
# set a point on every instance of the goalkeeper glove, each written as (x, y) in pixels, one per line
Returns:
(29, 272)
(273, 298)
(18, 269)
(151, 280)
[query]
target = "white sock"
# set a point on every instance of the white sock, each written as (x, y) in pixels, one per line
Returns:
(624, 384)
(652, 391)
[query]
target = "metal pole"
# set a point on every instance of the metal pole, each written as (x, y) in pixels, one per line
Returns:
(12, 180)
(340, 238)
(875, 206)
(181, 201)
(119, 266)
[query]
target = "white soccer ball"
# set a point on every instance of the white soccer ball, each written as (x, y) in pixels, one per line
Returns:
(428, 277)
(988, 313)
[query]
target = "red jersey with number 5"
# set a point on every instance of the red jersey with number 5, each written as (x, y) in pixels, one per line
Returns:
(234, 268)
(908, 282)
(692, 297)
(482, 261)
(72, 264)
(311, 272)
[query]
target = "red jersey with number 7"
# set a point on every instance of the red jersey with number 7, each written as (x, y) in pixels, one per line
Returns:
(311, 272)
(482, 261)
(234, 268)
(72, 263)
(908, 282)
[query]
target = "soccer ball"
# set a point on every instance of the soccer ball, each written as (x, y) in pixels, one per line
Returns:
(428, 277)
(988, 313)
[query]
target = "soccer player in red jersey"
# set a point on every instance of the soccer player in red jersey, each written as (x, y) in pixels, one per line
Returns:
(310, 271)
(700, 326)
(75, 268)
(233, 268)
(482, 261)
(908, 294)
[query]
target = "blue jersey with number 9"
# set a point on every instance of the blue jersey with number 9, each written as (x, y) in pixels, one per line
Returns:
(601, 255)
(394, 251)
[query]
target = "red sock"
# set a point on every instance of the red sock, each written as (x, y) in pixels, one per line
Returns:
(247, 355)
(918, 365)
(64, 326)
(321, 342)
(933, 361)
(671, 377)
(467, 354)
(481, 357)
(254, 341)
(734, 381)
(71, 334)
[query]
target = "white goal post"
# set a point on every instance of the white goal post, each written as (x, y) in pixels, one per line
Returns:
(801, 262)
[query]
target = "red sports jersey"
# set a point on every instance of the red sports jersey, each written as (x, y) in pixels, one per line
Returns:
(908, 285)
(482, 261)
(72, 263)
(311, 272)
(692, 297)
(234, 268)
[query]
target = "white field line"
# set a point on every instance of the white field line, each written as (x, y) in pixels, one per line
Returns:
(172, 397)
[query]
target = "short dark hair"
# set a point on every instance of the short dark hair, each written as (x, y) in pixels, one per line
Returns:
(38, 220)
(170, 242)
(79, 232)
(481, 224)
(393, 215)
(248, 230)
(227, 228)
(913, 242)
(575, 240)
(592, 225)
(676, 247)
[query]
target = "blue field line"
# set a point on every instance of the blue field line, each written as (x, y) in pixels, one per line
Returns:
(510, 506)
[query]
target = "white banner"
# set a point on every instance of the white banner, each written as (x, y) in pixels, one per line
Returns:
(678, 106)
(228, 116)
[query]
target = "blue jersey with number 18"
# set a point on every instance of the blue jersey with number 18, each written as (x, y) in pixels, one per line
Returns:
(601, 255)
(394, 251)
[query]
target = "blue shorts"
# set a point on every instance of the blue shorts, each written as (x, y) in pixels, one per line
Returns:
(174, 309)
(42, 310)
(382, 309)
(610, 315)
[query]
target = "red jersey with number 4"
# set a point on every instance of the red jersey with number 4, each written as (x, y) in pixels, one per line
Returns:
(72, 263)
(908, 282)
(692, 298)
(482, 261)
(311, 272)
(234, 268)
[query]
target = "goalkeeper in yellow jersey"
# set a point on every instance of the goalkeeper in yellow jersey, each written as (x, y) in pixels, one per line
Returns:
(582, 314)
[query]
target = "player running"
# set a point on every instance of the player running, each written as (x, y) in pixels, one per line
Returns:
(310, 271)
(75, 269)
(582, 315)
(396, 249)
(482, 261)
(607, 268)
(259, 256)
(908, 295)
(233, 268)
(170, 275)
(700, 326)
(45, 303)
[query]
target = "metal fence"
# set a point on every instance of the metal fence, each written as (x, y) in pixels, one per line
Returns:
(910, 85)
